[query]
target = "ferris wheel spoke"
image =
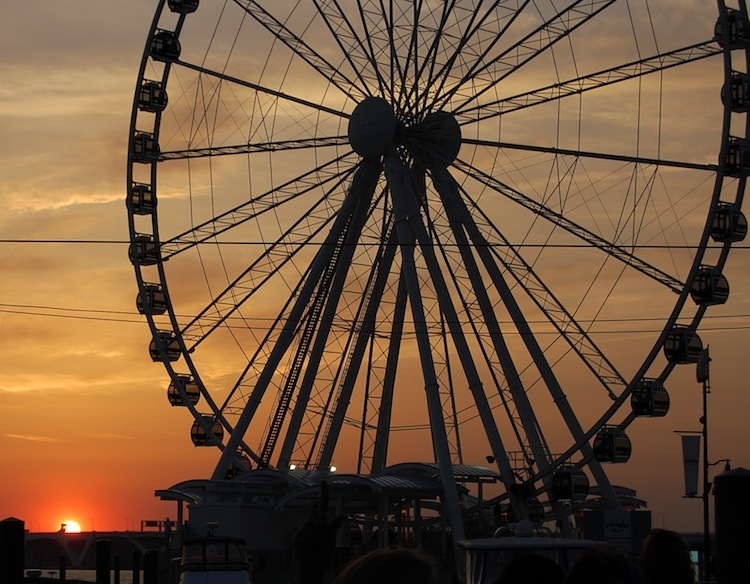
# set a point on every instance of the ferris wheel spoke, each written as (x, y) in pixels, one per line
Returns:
(314, 335)
(256, 147)
(548, 376)
(400, 185)
(373, 28)
(329, 72)
(474, 27)
(262, 89)
(550, 379)
(628, 159)
(585, 83)
(531, 440)
(429, 59)
(359, 56)
(405, 51)
(342, 388)
(364, 181)
(480, 229)
(609, 247)
(255, 207)
(273, 259)
(456, 334)
(493, 70)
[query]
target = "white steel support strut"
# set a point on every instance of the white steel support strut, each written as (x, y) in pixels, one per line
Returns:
(399, 185)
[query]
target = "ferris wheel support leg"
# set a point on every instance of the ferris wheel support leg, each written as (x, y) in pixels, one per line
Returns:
(399, 184)
(380, 450)
(366, 330)
(460, 215)
(368, 174)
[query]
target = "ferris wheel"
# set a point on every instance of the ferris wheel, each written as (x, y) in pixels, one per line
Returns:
(444, 231)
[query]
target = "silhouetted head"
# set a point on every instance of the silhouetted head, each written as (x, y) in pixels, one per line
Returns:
(393, 566)
(532, 569)
(665, 559)
(603, 565)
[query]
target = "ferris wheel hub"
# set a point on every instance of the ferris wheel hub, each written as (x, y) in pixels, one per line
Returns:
(372, 127)
(437, 137)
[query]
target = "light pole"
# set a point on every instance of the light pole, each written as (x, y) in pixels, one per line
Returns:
(703, 377)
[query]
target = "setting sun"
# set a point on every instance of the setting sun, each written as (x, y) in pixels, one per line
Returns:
(70, 526)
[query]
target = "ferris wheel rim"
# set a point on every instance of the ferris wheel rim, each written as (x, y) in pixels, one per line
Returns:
(218, 410)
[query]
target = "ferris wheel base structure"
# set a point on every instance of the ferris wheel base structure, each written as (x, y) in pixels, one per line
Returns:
(399, 506)
(446, 223)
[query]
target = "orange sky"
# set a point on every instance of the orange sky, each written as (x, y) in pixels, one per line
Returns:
(87, 431)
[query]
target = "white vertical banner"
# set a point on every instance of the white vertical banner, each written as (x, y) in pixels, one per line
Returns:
(691, 447)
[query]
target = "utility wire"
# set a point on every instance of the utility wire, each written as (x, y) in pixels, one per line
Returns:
(104, 315)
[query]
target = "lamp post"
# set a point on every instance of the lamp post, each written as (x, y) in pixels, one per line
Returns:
(703, 377)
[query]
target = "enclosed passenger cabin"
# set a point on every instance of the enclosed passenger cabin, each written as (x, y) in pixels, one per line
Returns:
(237, 468)
(165, 46)
(709, 287)
(535, 510)
(188, 384)
(151, 300)
(729, 224)
(163, 346)
(183, 6)
(682, 345)
(152, 97)
(141, 199)
(649, 399)
(145, 148)
(201, 437)
(612, 445)
(143, 251)
(738, 30)
(737, 93)
(737, 162)
(569, 484)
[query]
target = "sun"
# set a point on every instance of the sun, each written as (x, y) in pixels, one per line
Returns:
(70, 526)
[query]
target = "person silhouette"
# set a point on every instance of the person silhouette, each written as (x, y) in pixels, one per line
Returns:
(665, 559)
(603, 565)
(390, 566)
(532, 569)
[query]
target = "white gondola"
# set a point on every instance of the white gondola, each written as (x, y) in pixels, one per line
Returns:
(145, 148)
(165, 46)
(569, 484)
(163, 346)
(683, 345)
(188, 385)
(650, 399)
(729, 224)
(198, 433)
(737, 162)
(143, 251)
(151, 300)
(737, 93)
(738, 30)
(152, 97)
(183, 6)
(709, 287)
(612, 445)
(141, 199)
